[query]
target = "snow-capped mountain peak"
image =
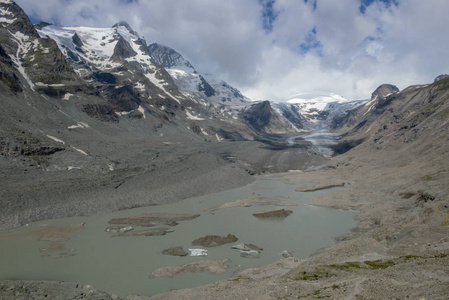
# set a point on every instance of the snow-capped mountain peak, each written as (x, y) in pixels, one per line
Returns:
(318, 108)
(189, 80)
(123, 25)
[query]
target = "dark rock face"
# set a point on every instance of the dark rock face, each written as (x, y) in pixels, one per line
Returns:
(383, 90)
(22, 22)
(263, 119)
(122, 50)
(124, 98)
(205, 87)
(7, 75)
(51, 67)
(105, 77)
(259, 115)
(214, 240)
(235, 91)
(43, 62)
(102, 112)
(290, 113)
(167, 57)
(77, 41)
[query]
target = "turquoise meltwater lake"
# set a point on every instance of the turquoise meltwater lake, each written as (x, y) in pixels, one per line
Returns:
(122, 265)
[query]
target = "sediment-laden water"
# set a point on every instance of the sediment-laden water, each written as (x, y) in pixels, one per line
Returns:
(122, 265)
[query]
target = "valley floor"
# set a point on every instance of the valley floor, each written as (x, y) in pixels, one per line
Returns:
(399, 249)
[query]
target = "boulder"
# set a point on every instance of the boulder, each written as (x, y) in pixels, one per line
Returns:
(175, 251)
(247, 247)
(214, 240)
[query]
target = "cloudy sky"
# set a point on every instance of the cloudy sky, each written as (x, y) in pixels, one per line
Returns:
(273, 49)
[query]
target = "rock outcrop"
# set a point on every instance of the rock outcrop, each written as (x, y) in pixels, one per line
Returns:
(277, 213)
(214, 240)
(175, 251)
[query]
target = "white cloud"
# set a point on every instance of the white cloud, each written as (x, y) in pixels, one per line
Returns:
(402, 45)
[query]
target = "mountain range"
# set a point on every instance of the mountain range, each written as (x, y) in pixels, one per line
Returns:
(90, 114)
(96, 120)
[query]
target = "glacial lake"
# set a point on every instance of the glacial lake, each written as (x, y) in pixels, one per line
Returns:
(122, 265)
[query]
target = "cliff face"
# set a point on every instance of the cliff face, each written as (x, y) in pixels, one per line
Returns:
(262, 117)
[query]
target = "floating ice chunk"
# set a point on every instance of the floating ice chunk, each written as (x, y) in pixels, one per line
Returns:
(198, 252)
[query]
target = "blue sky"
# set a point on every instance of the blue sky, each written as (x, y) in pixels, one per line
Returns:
(271, 49)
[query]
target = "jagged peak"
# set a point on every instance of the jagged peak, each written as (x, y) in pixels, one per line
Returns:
(439, 77)
(167, 57)
(383, 90)
(15, 19)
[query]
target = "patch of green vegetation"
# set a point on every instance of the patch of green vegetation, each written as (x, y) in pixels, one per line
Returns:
(346, 266)
(441, 255)
(379, 264)
(409, 257)
(427, 177)
(318, 274)
(443, 84)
